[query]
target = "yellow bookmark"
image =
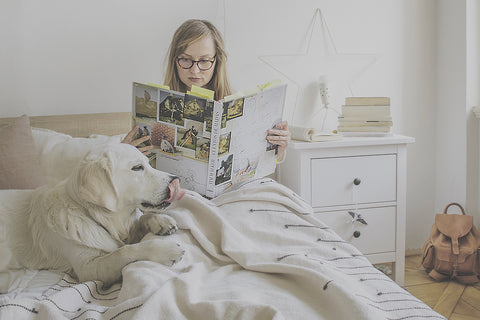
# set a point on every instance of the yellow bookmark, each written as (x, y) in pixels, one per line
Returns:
(158, 86)
(202, 92)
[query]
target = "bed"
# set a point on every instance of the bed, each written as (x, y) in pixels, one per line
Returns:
(255, 252)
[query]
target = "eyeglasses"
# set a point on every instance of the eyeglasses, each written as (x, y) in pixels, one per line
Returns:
(203, 65)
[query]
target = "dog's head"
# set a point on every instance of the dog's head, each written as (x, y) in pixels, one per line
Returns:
(118, 177)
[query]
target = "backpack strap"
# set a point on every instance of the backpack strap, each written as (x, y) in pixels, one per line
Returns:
(454, 204)
(438, 276)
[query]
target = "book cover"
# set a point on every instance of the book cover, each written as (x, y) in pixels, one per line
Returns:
(367, 101)
(210, 144)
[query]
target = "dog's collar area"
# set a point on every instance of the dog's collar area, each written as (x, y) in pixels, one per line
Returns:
(149, 205)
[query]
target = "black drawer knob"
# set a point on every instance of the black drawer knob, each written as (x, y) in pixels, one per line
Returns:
(357, 181)
(356, 234)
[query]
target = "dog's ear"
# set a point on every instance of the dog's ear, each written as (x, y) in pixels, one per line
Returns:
(95, 183)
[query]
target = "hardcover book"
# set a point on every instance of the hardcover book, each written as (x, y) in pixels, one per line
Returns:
(365, 116)
(367, 101)
(209, 144)
(365, 111)
(342, 122)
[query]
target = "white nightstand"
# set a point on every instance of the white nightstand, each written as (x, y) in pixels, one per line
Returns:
(361, 174)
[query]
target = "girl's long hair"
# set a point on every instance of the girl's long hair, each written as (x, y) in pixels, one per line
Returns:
(188, 32)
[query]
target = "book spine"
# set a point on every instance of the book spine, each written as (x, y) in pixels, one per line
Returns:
(365, 111)
(366, 108)
(364, 118)
(365, 101)
(367, 134)
(368, 123)
(363, 129)
(214, 142)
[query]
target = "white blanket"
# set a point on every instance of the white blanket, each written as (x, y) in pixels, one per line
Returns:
(256, 252)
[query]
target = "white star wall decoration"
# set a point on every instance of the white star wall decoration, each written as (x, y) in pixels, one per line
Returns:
(320, 69)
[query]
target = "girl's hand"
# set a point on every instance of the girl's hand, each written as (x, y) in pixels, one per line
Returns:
(280, 136)
(129, 139)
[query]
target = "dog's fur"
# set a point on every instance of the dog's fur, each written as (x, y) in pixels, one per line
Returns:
(87, 223)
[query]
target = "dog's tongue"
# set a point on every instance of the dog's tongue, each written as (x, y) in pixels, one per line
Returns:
(176, 192)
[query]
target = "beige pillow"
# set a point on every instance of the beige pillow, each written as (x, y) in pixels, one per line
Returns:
(19, 164)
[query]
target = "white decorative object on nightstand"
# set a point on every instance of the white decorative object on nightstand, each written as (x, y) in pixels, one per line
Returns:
(358, 187)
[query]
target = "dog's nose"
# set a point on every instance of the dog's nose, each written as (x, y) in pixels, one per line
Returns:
(176, 192)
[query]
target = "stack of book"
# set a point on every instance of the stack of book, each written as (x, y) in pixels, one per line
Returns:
(365, 116)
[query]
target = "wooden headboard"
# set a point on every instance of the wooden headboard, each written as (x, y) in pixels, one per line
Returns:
(82, 125)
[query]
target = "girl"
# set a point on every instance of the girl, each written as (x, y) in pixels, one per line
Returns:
(197, 56)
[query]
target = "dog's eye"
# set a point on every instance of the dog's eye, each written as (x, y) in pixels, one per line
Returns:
(138, 168)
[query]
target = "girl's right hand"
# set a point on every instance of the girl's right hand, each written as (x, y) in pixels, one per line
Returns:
(129, 139)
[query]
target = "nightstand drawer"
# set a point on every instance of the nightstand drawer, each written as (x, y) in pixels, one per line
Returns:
(377, 236)
(350, 180)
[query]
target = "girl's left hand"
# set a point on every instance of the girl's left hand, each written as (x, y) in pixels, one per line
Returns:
(280, 136)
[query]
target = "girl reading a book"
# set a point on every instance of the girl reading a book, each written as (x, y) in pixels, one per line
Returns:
(197, 56)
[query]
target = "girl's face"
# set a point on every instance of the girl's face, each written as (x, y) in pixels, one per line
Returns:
(201, 50)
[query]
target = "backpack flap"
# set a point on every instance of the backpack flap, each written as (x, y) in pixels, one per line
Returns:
(454, 226)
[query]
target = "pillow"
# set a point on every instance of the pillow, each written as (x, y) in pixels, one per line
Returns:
(60, 153)
(19, 162)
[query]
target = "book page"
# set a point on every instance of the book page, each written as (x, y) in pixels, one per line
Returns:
(193, 174)
(248, 134)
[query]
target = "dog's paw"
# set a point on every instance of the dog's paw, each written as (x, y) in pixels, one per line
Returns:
(165, 252)
(177, 254)
(159, 224)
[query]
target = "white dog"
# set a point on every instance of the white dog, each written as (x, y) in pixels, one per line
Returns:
(87, 223)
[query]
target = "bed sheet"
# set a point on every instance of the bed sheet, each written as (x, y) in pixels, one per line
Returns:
(256, 252)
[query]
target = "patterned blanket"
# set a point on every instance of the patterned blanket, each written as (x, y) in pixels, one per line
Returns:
(256, 252)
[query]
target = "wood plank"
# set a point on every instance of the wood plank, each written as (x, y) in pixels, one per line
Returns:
(415, 274)
(456, 316)
(469, 304)
(449, 298)
(429, 293)
(465, 309)
(472, 297)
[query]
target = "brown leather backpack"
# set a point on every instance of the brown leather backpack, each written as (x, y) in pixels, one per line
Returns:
(452, 251)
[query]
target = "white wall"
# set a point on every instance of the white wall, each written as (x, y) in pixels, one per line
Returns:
(73, 57)
(457, 92)
(64, 57)
(451, 104)
(9, 31)
(418, 73)
(473, 99)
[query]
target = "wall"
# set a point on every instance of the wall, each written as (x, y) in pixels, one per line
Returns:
(451, 104)
(73, 57)
(473, 99)
(458, 91)
(9, 31)
(60, 57)
(418, 73)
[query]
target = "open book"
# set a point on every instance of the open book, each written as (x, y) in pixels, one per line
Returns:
(210, 144)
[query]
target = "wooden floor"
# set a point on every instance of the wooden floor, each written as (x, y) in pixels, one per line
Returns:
(451, 299)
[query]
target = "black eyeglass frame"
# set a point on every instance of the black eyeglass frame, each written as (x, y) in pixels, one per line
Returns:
(197, 61)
